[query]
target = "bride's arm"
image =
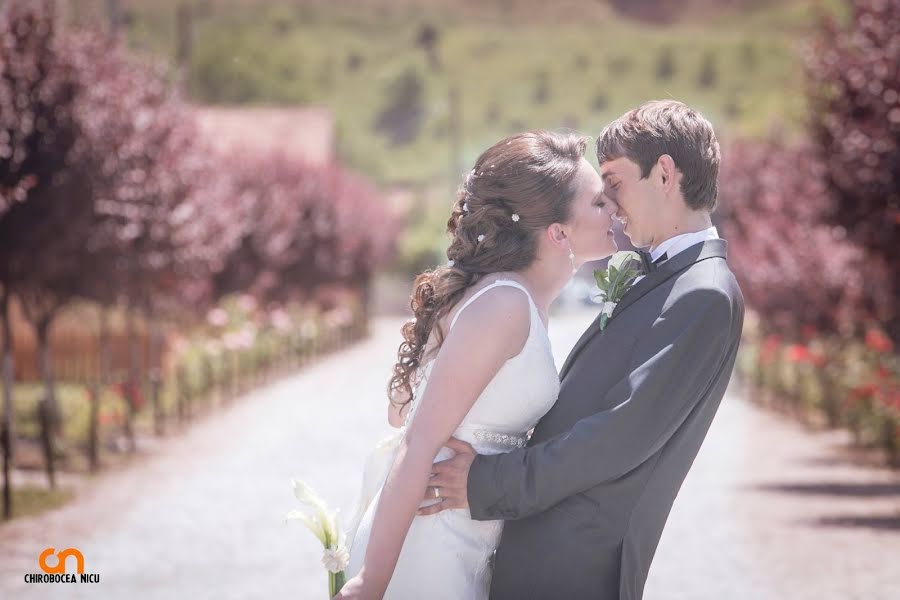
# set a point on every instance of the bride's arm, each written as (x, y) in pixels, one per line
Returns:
(397, 413)
(492, 330)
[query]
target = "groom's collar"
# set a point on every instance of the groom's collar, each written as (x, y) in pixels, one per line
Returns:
(676, 244)
(717, 248)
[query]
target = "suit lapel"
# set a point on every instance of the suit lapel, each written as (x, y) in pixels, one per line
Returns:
(670, 268)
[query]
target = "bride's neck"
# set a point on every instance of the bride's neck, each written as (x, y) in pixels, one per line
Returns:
(545, 281)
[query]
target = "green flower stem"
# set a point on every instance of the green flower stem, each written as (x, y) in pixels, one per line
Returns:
(335, 582)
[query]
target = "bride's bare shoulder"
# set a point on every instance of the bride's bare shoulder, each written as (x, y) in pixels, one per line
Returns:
(501, 314)
(501, 311)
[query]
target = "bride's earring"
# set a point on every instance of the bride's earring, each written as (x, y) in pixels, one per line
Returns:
(572, 259)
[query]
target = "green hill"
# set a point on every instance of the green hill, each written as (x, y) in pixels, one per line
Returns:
(386, 68)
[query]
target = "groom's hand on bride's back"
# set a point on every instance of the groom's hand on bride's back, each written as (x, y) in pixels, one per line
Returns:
(450, 477)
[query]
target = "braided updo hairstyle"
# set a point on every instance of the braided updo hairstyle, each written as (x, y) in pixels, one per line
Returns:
(519, 187)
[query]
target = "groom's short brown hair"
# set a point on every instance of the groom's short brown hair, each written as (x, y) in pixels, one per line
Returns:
(668, 127)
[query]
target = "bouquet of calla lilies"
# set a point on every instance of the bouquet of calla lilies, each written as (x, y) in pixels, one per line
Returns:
(324, 524)
(615, 280)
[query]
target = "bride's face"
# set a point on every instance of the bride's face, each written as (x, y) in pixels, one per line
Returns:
(591, 234)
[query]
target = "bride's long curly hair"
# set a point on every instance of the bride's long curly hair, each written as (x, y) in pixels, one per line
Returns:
(530, 175)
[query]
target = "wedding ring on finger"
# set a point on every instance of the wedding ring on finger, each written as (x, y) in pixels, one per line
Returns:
(437, 492)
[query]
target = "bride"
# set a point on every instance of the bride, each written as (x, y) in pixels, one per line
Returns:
(476, 362)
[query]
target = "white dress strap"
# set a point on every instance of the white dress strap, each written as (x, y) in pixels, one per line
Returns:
(507, 282)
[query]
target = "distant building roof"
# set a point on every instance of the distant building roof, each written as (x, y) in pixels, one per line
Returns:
(306, 133)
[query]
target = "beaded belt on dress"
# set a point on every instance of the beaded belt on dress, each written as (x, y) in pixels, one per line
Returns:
(516, 441)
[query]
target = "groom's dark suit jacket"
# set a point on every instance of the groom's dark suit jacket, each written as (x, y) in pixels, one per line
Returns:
(586, 501)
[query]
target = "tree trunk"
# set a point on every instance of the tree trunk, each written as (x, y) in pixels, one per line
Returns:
(456, 124)
(6, 424)
(105, 354)
(7, 429)
(94, 391)
(227, 385)
(209, 381)
(7, 481)
(46, 369)
(182, 394)
(104, 377)
(114, 14)
(45, 419)
(8, 374)
(132, 381)
(184, 40)
(156, 373)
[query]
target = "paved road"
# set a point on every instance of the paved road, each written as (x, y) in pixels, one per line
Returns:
(769, 511)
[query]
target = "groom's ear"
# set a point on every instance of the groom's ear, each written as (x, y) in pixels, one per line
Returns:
(667, 172)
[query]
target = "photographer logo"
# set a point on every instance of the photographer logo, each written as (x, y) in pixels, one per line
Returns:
(53, 564)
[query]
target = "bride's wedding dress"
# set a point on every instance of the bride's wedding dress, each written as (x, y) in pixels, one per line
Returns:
(446, 556)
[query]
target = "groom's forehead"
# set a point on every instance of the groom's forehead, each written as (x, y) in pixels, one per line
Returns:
(615, 167)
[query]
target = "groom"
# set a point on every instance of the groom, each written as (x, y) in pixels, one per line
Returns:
(587, 499)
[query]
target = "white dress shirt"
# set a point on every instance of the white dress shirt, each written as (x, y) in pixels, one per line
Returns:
(674, 245)
(679, 243)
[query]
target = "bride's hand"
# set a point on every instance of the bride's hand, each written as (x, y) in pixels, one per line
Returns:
(354, 589)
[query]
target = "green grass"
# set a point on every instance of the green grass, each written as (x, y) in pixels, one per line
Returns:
(74, 401)
(31, 500)
(75, 408)
(258, 52)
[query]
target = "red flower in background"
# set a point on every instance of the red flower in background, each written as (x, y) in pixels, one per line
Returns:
(798, 354)
(893, 400)
(861, 392)
(878, 341)
(130, 392)
(136, 396)
(109, 418)
(889, 397)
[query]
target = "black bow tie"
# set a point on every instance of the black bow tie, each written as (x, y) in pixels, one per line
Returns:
(650, 265)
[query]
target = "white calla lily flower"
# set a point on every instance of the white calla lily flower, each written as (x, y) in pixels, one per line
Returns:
(324, 523)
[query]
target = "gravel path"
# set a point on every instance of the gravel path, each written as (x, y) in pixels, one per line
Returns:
(769, 510)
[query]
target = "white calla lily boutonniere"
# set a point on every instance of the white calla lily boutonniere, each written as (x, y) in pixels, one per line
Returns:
(618, 277)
